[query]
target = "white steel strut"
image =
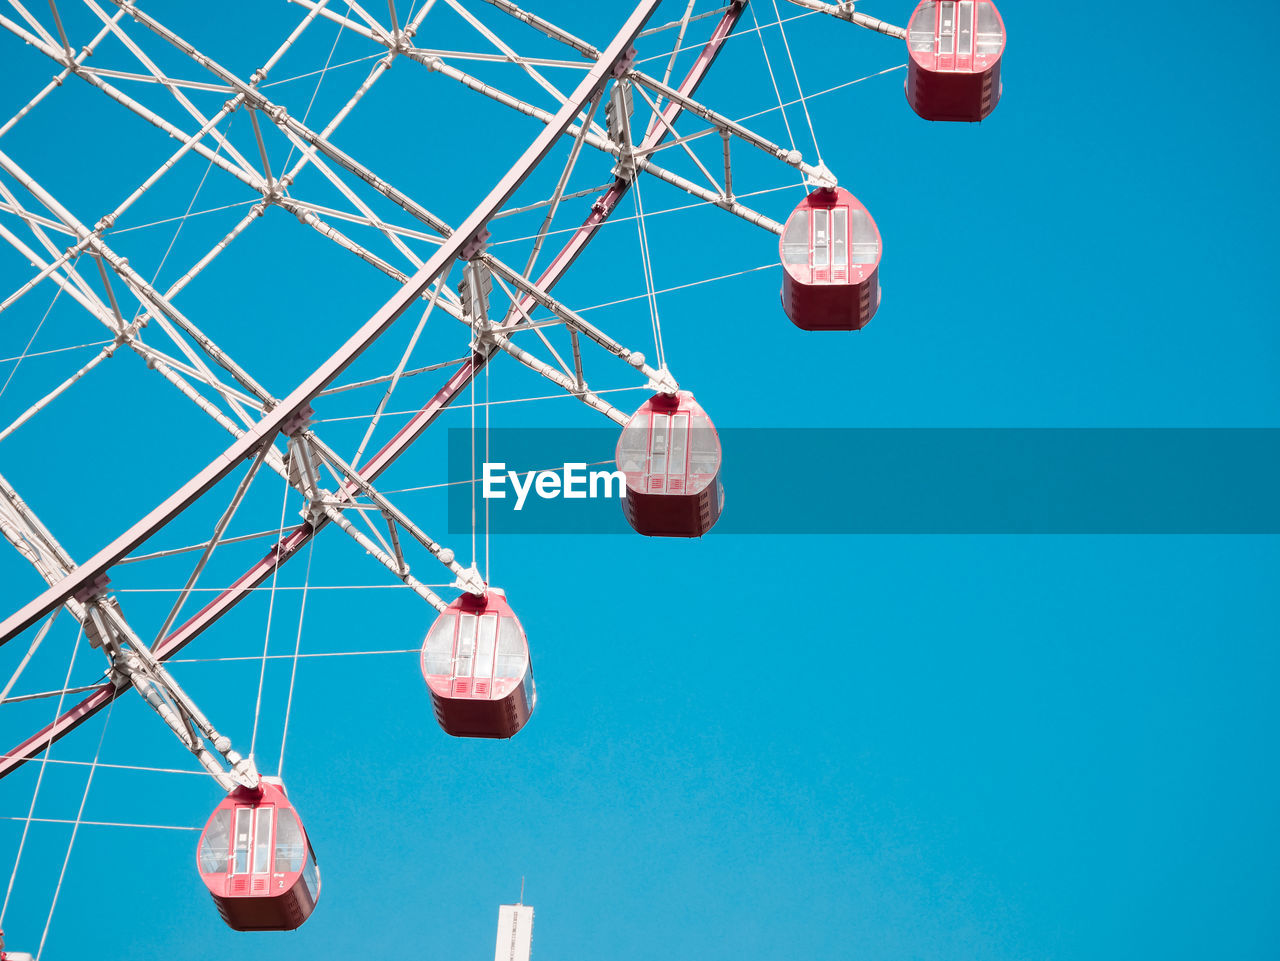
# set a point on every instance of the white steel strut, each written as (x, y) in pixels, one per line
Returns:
(845, 11)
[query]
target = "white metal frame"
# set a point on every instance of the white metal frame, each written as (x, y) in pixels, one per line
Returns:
(210, 378)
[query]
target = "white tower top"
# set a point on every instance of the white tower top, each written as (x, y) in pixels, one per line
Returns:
(515, 932)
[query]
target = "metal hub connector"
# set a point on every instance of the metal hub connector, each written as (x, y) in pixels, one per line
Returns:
(821, 178)
(663, 383)
(274, 193)
(298, 421)
(469, 580)
(401, 43)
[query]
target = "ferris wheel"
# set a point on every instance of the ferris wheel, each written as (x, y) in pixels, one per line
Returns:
(619, 108)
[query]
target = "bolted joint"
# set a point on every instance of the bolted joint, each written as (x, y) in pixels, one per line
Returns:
(625, 168)
(274, 192)
(625, 63)
(97, 622)
(474, 291)
(475, 245)
(243, 770)
(93, 589)
(482, 339)
(298, 421)
(469, 580)
(313, 512)
(662, 382)
(116, 677)
(822, 178)
(119, 674)
(125, 666)
(401, 43)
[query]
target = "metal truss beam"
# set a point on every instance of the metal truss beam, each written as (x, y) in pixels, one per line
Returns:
(264, 432)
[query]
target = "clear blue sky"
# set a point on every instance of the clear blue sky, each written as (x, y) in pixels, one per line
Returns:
(865, 748)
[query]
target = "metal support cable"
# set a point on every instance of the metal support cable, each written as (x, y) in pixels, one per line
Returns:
(764, 48)
(109, 824)
(804, 104)
(26, 658)
(31, 340)
(35, 795)
(271, 607)
(75, 830)
(316, 90)
(679, 141)
(297, 648)
(671, 63)
(647, 267)
(395, 377)
(218, 530)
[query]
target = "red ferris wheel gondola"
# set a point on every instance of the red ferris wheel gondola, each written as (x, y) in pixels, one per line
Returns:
(830, 252)
(476, 663)
(954, 59)
(670, 454)
(12, 955)
(256, 860)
